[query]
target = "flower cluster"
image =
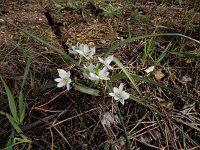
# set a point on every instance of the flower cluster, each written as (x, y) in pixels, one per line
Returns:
(97, 72)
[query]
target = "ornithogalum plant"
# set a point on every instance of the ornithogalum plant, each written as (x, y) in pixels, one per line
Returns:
(93, 70)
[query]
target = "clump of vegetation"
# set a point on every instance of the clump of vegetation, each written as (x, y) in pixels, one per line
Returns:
(105, 91)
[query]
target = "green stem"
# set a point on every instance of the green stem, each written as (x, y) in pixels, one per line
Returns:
(123, 126)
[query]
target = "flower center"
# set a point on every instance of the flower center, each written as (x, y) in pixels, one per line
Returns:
(65, 79)
(86, 54)
(118, 94)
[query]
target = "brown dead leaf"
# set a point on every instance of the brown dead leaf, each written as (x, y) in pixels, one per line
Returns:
(159, 75)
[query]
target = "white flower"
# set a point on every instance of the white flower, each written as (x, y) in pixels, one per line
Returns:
(87, 52)
(74, 49)
(119, 94)
(107, 61)
(64, 79)
(88, 70)
(101, 74)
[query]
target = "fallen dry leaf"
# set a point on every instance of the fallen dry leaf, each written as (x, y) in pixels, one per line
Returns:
(159, 75)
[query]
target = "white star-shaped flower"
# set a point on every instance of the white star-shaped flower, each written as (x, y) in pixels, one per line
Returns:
(119, 94)
(74, 49)
(107, 61)
(88, 70)
(87, 52)
(99, 75)
(64, 79)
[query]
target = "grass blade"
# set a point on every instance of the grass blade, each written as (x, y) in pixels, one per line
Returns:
(11, 101)
(16, 127)
(21, 98)
(129, 40)
(137, 78)
(127, 74)
(62, 53)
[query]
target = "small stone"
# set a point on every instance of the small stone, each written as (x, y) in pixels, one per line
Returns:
(2, 21)
(91, 44)
(103, 41)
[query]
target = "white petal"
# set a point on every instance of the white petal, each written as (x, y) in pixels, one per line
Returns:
(61, 71)
(68, 86)
(69, 80)
(121, 101)
(73, 52)
(121, 86)
(86, 48)
(109, 59)
(116, 90)
(112, 94)
(58, 79)
(80, 52)
(110, 67)
(91, 67)
(93, 50)
(68, 74)
(150, 69)
(103, 70)
(60, 84)
(116, 98)
(85, 75)
(100, 60)
(73, 47)
(93, 76)
(125, 95)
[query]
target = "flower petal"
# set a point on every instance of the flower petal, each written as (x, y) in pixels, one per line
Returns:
(125, 95)
(60, 84)
(92, 50)
(93, 76)
(68, 74)
(100, 60)
(112, 94)
(80, 52)
(116, 90)
(121, 101)
(121, 86)
(58, 79)
(68, 86)
(85, 48)
(62, 73)
(109, 59)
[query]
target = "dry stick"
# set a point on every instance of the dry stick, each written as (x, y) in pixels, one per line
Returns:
(63, 137)
(52, 99)
(73, 117)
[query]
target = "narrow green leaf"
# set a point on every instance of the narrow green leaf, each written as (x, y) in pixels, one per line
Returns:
(11, 101)
(62, 53)
(2, 113)
(129, 40)
(137, 78)
(163, 54)
(44, 87)
(84, 89)
(21, 108)
(185, 55)
(21, 98)
(32, 82)
(16, 127)
(9, 145)
(127, 74)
